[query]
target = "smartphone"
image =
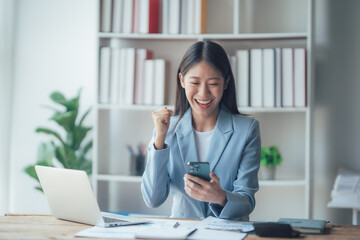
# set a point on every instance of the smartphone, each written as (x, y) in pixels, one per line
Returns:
(199, 169)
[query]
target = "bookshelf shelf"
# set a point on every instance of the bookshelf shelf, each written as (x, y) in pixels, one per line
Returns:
(241, 109)
(245, 25)
(179, 37)
(262, 183)
(282, 183)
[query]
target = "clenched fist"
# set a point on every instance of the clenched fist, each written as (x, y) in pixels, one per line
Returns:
(161, 118)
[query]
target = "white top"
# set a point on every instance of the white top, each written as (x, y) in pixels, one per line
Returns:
(202, 140)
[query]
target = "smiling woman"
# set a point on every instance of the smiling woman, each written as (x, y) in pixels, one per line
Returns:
(206, 126)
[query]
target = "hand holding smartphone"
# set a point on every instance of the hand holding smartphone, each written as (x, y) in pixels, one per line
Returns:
(199, 169)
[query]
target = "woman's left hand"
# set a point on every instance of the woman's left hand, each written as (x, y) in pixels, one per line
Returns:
(206, 191)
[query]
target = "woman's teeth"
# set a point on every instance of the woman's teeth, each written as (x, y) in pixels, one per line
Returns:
(203, 102)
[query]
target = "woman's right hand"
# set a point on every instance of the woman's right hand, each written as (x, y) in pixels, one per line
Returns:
(161, 118)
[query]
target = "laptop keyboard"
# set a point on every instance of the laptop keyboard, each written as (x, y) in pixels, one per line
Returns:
(111, 220)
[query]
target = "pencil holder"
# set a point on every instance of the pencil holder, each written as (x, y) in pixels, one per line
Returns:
(137, 165)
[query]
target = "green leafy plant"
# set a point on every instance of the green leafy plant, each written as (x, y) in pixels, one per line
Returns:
(270, 156)
(68, 148)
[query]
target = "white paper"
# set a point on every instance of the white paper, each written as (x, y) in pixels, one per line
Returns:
(206, 234)
(223, 224)
(156, 232)
(100, 232)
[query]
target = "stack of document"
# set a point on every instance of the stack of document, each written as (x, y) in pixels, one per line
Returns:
(209, 229)
(346, 190)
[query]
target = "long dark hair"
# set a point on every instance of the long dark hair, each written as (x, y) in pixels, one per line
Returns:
(213, 54)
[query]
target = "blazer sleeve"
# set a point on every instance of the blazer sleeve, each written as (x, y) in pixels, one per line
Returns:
(155, 185)
(241, 201)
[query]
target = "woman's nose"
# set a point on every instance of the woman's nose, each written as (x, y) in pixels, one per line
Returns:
(203, 90)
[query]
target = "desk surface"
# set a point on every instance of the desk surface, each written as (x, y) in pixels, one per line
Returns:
(26, 227)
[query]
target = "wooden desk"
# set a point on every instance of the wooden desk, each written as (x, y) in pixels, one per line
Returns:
(39, 227)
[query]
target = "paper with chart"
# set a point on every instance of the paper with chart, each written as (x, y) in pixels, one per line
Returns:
(223, 224)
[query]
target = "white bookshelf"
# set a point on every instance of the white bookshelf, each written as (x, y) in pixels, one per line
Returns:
(288, 127)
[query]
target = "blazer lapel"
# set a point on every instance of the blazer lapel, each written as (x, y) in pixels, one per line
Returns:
(222, 133)
(186, 139)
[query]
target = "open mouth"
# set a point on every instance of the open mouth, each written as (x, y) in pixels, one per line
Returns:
(203, 104)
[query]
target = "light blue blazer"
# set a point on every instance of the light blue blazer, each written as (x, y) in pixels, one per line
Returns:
(234, 157)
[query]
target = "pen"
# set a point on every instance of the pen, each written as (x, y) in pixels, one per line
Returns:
(192, 232)
(176, 225)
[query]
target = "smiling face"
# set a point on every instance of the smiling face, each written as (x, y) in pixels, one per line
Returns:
(204, 87)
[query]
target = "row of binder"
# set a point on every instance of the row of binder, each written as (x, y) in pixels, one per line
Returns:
(153, 16)
(130, 76)
(270, 77)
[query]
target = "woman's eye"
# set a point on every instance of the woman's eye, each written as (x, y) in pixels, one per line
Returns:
(194, 83)
(214, 84)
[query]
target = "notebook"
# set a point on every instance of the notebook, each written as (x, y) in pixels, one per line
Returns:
(70, 197)
(306, 226)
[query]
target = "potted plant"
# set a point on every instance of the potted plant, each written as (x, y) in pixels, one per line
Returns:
(68, 148)
(270, 158)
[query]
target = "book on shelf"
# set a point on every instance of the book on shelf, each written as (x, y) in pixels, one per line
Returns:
(184, 19)
(233, 64)
(129, 76)
(200, 7)
(123, 69)
(190, 16)
(105, 12)
(256, 78)
(149, 81)
(115, 75)
(299, 77)
(242, 77)
(269, 77)
(136, 16)
(165, 16)
(174, 16)
(306, 226)
(278, 77)
(104, 84)
(287, 77)
(117, 15)
(154, 16)
(159, 81)
(127, 16)
(141, 56)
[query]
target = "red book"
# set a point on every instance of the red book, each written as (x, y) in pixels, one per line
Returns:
(154, 13)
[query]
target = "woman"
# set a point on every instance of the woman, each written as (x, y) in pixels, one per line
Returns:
(206, 126)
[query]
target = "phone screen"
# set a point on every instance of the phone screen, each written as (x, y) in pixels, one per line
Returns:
(199, 169)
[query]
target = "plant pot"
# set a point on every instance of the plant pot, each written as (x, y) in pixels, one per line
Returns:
(267, 172)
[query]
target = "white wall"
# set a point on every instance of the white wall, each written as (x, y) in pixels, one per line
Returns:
(6, 48)
(337, 98)
(55, 48)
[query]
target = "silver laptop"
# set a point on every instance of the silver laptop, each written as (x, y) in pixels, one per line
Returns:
(70, 197)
